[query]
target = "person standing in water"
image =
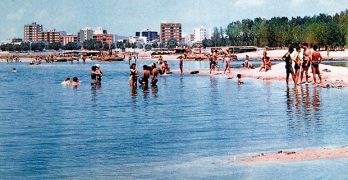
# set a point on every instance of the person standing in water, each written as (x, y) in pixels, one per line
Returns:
(181, 63)
(154, 75)
(129, 58)
(316, 59)
(297, 60)
(145, 76)
(307, 58)
(228, 61)
(133, 77)
(75, 82)
(288, 65)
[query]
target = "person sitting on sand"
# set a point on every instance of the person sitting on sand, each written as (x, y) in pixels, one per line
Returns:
(247, 63)
(154, 75)
(67, 81)
(267, 64)
(165, 68)
(239, 82)
(75, 82)
(133, 75)
(145, 76)
(316, 59)
(288, 65)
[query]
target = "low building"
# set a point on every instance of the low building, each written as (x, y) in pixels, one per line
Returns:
(150, 35)
(16, 40)
(65, 39)
(137, 39)
(103, 38)
(51, 36)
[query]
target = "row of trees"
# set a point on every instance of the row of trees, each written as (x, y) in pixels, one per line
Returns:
(38, 46)
(89, 44)
(323, 30)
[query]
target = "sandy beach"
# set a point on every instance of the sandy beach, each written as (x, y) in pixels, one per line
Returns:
(333, 76)
(296, 155)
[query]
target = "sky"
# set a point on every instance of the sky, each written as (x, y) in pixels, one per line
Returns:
(125, 17)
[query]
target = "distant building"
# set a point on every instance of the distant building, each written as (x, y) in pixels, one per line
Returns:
(85, 34)
(200, 34)
(170, 31)
(31, 32)
(16, 40)
(104, 38)
(118, 38)
(137, 39)
(49, 36)
(100, 30)
(150, 35)
(65, 39)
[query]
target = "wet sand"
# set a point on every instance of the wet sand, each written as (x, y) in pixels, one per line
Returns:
(298, 155)
(333, 76)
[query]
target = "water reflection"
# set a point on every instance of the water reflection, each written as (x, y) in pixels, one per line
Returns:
(303, 106)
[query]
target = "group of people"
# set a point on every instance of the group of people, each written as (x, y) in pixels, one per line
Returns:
(148, 71)
(75, 81)
(303, 59)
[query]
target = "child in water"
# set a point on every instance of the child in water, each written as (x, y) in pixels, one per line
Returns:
(75, 82)
(240, 82)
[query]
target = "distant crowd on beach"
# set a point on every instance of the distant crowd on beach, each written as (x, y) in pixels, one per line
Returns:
(298, 61)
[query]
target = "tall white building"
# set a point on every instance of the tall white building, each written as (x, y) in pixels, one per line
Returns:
(201, 33)
(85, 34)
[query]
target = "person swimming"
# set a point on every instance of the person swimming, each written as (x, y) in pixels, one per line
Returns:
(67, 81)
(239, 82)
(75, 82)
(14, 70)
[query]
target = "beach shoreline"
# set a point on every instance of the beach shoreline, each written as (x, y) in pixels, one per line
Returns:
(282, 156)
(333, 76)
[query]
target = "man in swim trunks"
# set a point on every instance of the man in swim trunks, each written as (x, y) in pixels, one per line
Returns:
(297, 59)
(307, 58)
(316, 59)
(154, 74)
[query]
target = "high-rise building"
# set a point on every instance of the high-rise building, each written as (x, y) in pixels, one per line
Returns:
(49, 36)
(31, 32)
(85, 34)
(200, 34)
(170, 31)
(65, 39)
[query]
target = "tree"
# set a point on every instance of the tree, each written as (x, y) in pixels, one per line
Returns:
(55, 46)
(72, 46)
(172, 43)
(38, 46)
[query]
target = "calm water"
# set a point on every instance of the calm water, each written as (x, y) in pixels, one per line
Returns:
(189, 127)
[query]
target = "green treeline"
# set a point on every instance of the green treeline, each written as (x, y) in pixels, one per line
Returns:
(322, 30)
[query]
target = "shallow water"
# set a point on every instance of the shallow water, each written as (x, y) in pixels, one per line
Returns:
(188, 127)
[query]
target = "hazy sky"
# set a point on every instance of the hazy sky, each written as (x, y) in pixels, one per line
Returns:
(124, 17)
